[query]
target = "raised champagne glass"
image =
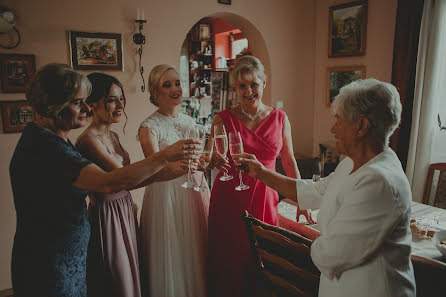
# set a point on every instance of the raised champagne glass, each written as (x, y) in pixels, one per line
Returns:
(191, 132)
(221, 146)
(236, 148)
(206, 155)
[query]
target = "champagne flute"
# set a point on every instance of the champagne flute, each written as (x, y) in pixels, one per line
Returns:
(191, 132)
(206, 154)
(236, 148)
(221, 146)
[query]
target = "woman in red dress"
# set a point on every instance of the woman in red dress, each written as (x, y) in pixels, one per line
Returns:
(266, 133)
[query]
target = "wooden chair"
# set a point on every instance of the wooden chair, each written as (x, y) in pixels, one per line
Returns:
(440, 194)
(430, 277)
(282, 259)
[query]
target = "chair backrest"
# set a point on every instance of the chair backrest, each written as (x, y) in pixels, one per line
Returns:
(430, 277)
(282, 258)
(440, 194)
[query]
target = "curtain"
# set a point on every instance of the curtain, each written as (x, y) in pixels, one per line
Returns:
(430, 88)
(405, 50)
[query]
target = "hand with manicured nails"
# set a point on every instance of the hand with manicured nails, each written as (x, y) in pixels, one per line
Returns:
(249, 164)
(219, 162)
(182, 150)
(253, 167)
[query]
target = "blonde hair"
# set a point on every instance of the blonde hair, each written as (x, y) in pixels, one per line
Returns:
(52, 88)
(247, 66)
(155, 78)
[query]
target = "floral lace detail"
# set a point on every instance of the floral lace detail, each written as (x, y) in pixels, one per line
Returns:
(50, 244)
(168, 130)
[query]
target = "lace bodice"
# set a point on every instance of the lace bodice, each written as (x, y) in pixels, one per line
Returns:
(168, 130)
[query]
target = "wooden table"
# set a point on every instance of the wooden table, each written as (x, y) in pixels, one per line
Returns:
(420, 246)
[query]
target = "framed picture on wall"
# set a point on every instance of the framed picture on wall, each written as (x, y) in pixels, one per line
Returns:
(15, 115)
(205, 32)
(96, 51)
(16, 71)
(337, 77)
(347, 29)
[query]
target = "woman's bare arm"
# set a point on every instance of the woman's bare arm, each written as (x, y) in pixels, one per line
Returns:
(283, 184)
(287, 154)
(290, 165)
(93, 178)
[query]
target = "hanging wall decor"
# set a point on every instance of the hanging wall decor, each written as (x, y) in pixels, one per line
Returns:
(347, 29)
(15, 72)
(337, 77)
(96, 51)
(15, 115)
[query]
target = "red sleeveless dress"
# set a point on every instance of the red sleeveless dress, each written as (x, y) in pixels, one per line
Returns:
(231, 270)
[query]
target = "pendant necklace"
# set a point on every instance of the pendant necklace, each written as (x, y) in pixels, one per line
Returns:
(252, 118)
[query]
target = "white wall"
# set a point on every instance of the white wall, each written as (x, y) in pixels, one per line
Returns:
(378, 59)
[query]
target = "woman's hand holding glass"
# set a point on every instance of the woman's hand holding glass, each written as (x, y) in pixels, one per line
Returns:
(249, 164)
(181, 150)
(221, 148)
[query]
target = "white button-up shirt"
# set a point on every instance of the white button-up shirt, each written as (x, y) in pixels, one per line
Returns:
(364, 247)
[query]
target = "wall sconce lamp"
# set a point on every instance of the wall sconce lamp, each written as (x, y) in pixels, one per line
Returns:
(6, 24)
(140, 39)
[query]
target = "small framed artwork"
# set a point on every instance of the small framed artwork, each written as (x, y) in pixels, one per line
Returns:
(16, 71)
(96, 51)
(347, 29)
(205, 32)
(341, 76)
(15, 115)
(224, 2)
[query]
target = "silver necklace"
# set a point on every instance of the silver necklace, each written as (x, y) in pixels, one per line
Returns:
(253, 117)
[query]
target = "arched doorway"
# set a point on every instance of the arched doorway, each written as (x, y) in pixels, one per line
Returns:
(208, 51)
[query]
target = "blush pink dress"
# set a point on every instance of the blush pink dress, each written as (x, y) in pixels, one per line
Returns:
(231, 270)
(112, 259)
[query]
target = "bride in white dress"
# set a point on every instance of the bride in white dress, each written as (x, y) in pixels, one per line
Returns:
(173, 219)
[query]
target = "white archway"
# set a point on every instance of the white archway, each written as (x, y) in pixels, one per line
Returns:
(256, 43)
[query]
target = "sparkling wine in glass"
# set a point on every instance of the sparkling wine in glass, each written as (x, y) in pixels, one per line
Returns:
(205, 158)
(236, 148)
(191, 132)
(221, 146)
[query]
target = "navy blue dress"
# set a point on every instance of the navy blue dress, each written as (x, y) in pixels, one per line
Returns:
(52, 233)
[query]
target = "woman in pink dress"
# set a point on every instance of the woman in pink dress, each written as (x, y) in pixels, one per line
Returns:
(265, 132)
(112, 259)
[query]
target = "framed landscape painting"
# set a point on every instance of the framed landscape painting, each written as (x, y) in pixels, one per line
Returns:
(347, 29)
(96, 51)
(337, 77)
(16, 71)
(15, 115)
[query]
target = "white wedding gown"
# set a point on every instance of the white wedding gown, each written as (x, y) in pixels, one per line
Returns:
(174, 223)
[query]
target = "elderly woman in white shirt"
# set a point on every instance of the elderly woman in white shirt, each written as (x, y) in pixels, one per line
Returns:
(365, 242)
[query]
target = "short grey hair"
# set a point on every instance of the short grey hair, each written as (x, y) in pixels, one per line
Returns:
(155, 79)
(375, 100)
(247, 66)
(52, 88)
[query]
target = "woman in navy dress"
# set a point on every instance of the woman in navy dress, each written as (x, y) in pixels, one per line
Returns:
(50, 180)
